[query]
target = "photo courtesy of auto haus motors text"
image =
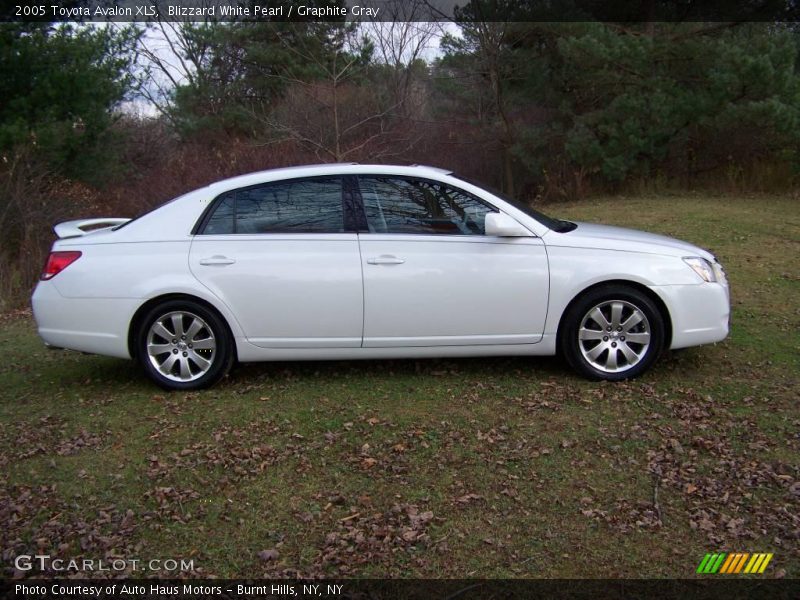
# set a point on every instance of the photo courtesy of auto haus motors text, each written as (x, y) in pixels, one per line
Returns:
(189, 590)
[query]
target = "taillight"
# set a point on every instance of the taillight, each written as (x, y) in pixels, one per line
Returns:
(58, 261)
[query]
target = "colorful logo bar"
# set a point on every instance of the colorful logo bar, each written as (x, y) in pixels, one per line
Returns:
(733, 563)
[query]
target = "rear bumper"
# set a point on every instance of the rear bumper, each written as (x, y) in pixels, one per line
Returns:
(700, 314)
(94, 325)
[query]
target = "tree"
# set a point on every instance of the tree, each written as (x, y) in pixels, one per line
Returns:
(59, 86)
(399, 44)
(314, 83)
(485, 52)
(330, 106)
(215, 77)
(238, 68)
(640, 94)
(606, 101)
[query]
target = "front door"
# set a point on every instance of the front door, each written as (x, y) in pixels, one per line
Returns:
(433, 278)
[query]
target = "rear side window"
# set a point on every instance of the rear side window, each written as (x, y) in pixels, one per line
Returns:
(301, 206)
(400, 205)
(221, 220)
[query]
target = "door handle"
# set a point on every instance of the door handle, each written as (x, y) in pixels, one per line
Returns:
(217, 260)
(385, 259)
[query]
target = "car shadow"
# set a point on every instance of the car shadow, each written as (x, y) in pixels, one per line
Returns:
(473, 368)
(103, 370)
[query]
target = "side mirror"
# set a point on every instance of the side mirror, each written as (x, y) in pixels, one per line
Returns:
(501, 225)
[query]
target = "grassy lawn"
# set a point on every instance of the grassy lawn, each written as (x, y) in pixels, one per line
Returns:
(442, 468)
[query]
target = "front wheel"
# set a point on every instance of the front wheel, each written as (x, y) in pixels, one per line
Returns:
(182, 345)
(612, 333)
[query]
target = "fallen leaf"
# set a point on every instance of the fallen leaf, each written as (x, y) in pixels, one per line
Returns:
(268, 555)
(467, 498)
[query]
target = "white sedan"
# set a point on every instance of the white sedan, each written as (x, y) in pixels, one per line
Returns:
(364, 261)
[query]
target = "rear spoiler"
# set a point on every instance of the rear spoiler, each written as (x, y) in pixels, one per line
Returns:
(70, 229)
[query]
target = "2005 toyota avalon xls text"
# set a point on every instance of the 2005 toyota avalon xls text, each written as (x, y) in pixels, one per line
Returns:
(365, 261)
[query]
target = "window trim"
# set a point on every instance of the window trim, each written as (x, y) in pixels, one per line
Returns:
(360, 176)
(355, 217)
(349, 210)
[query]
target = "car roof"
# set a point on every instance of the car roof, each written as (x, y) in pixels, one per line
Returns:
(325, 169)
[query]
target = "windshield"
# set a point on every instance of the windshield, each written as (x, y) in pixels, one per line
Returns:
(558, 225)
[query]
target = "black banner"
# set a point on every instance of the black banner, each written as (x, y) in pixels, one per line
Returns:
(717, 587)
(401, 10)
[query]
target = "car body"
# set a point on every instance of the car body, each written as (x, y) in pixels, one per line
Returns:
(369, 261)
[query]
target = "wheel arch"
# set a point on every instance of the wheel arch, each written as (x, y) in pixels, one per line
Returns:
(147, 306)
(659, 303)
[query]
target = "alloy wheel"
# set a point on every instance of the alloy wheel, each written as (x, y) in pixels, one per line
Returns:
(181, 346)
(614, 336)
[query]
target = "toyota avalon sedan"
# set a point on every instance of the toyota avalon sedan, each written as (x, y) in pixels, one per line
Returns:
(364, 261)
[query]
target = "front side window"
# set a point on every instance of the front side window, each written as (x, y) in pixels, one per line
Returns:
(302, 206)
(401, 205)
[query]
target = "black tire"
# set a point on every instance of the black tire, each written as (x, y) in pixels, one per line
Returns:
(586, 342)
(192, 367)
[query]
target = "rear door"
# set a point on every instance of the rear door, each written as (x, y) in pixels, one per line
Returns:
(279, 255)
(433, 278)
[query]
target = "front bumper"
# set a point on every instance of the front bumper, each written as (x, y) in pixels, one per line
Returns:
(700, 313)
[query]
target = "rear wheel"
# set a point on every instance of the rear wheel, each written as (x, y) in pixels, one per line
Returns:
(182, 345)
(612, 333)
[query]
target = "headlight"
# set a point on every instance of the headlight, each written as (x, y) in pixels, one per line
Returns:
(702, 267)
